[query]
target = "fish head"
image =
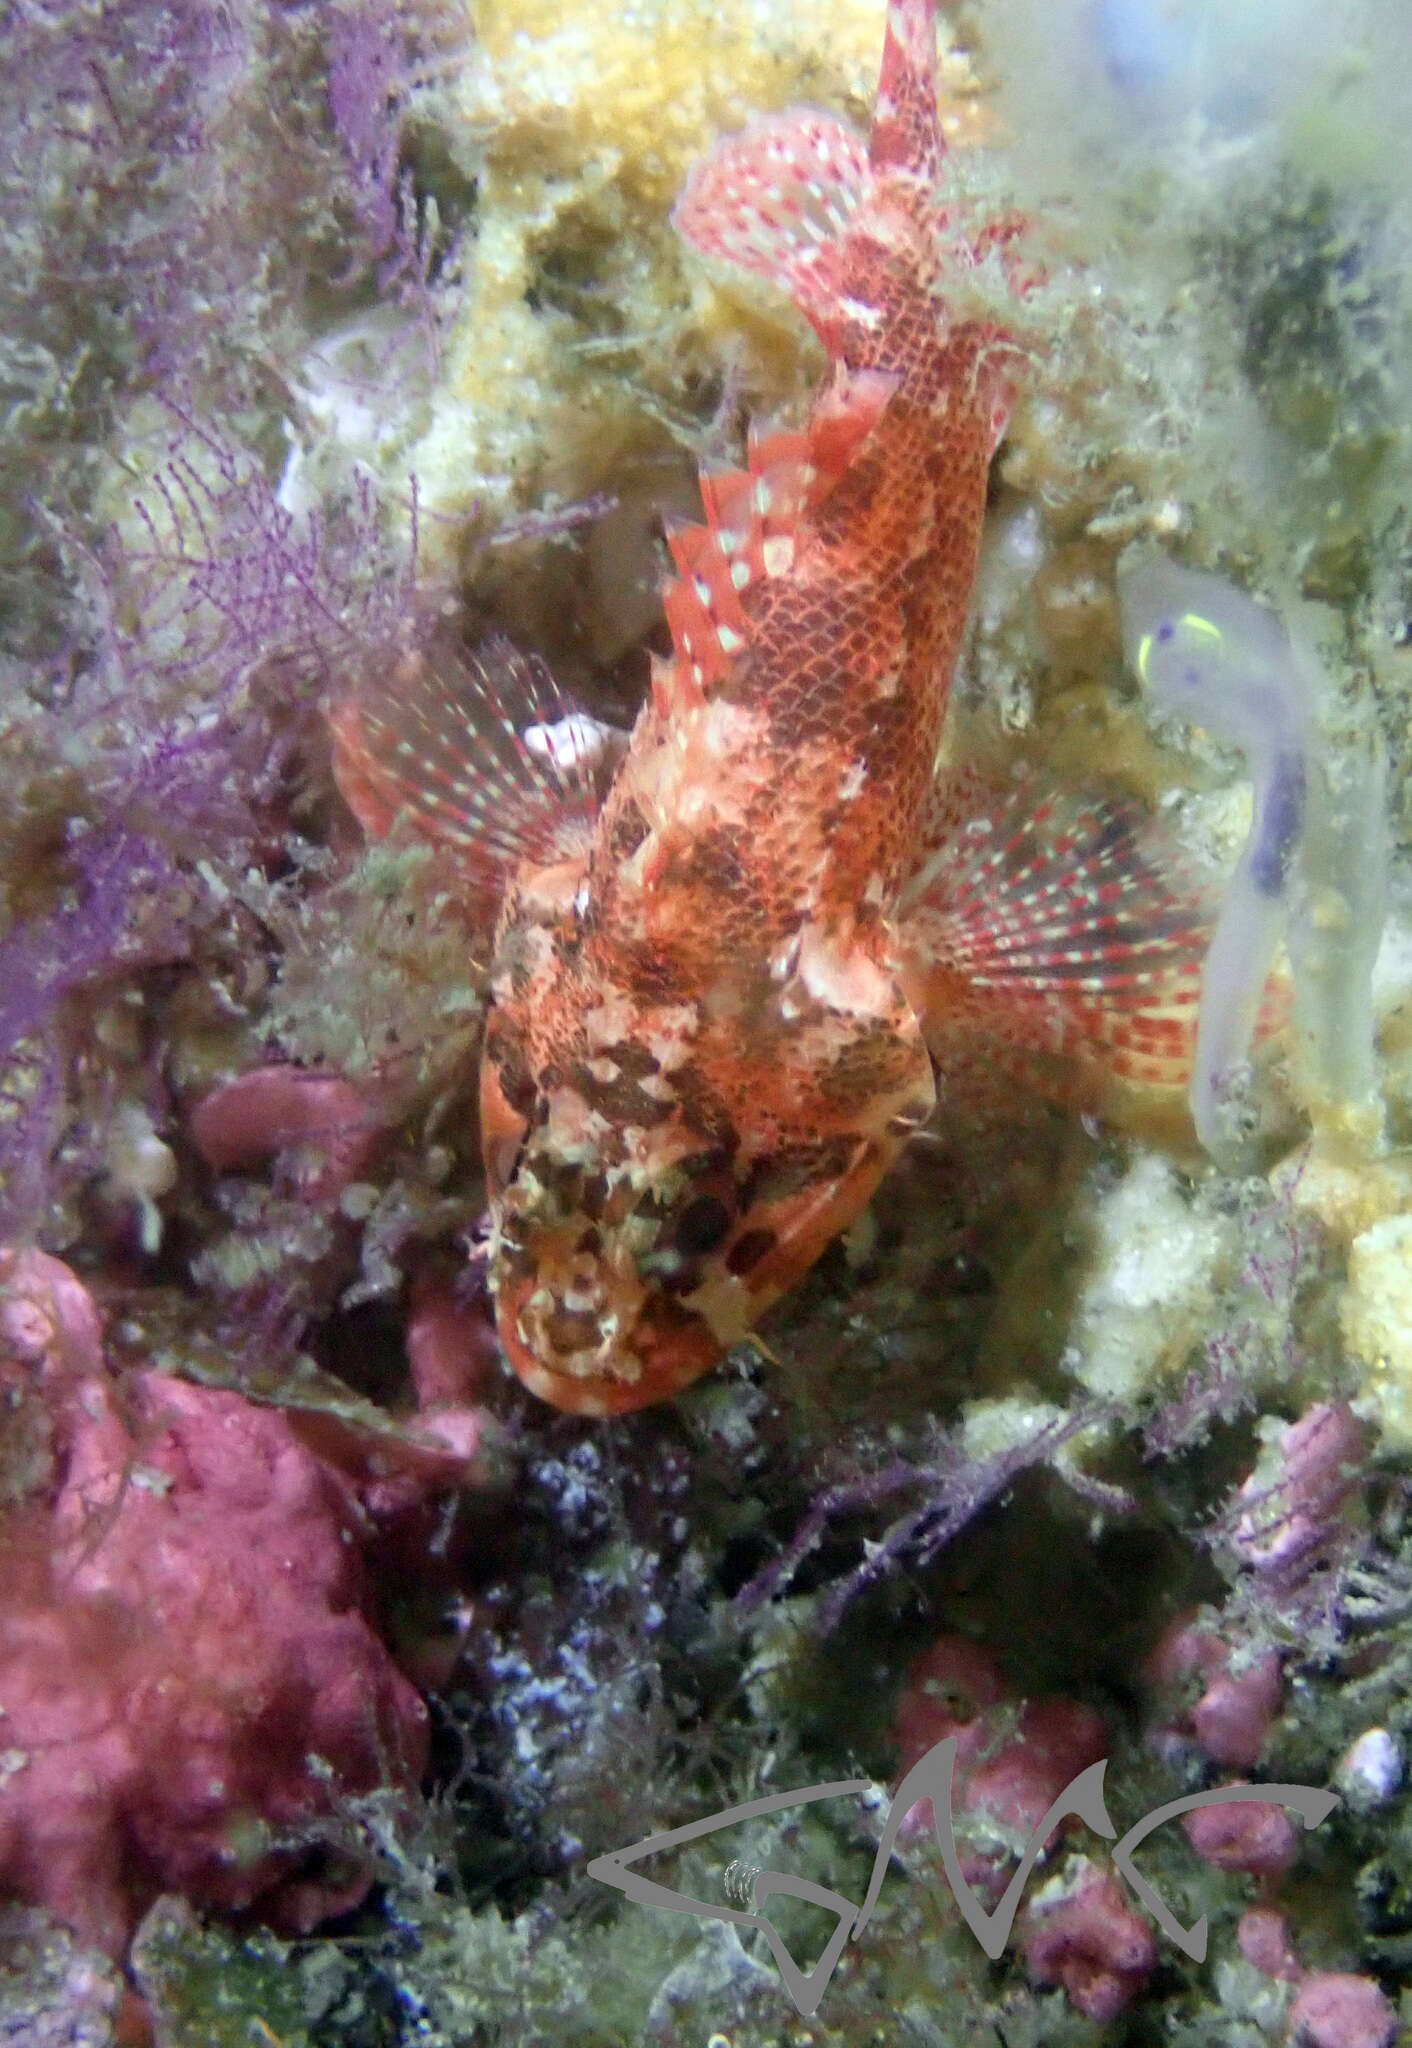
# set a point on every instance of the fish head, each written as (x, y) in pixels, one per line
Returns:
(643, 1220)
(617, 1285)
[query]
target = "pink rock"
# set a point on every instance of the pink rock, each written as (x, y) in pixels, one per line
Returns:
(275, 1109)
(1233, 1715)
(404, 1468)
(1053, 1741)
(1264, 1940)
(1335, 2011)
(181, 1632)
(407, 1461)
(1092, 1943)
(1287, 1517)
(1012, 1760)
(1236, 1696)
(461, 1450)
(48, 1319)
(462, 1430)
(451, 1345)
(1244, 1834)
(947, 1687)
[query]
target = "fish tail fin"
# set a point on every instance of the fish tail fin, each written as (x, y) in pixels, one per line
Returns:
(1055, 925)
(906, 132)
(478, 754)
(780, 197)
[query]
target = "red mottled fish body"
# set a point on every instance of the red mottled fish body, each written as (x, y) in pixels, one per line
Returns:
(713, 992)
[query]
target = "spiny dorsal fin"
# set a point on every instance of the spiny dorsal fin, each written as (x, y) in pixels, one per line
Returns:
(753, 518)
(478, 752)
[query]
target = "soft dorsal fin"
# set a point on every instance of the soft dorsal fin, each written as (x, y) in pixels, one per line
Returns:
(753, 518)
(478, 752)
(778, 199)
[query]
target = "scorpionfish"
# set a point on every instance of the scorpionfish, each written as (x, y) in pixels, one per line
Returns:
(721, 970)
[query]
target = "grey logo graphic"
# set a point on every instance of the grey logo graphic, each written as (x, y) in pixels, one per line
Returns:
(929, 1778)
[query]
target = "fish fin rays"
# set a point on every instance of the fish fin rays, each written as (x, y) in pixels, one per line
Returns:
(478, 754)
(778, 199)
(1056, 925)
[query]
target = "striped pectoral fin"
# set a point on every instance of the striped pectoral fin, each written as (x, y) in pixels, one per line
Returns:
(477, 754)
(1058, 926)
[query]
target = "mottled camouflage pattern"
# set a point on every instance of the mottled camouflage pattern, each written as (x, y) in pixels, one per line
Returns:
(705, 1046)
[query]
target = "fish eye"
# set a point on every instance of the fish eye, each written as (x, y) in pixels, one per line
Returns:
(703, 1224)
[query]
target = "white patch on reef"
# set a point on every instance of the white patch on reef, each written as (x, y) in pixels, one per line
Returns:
(1376, 1316)
(1157, 1260)
(992, 1428)
(1371, 1770)
(569, 742)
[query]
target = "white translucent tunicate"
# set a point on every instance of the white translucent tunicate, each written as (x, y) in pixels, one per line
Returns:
(1220, 61)
(1337, 923)
(1313, 868)
(1099, 94)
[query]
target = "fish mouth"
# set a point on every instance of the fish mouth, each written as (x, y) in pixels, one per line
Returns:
(580, 1362)
(587, 1331)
